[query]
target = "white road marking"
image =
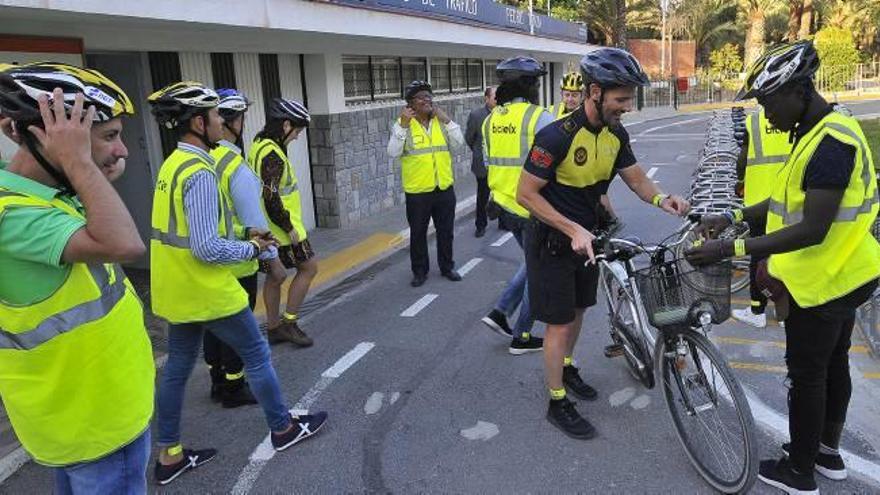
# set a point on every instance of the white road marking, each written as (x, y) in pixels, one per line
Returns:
(664, 126)
(469, 266)
(777, 424)
(394, 397)
(12, 462)
(621, 396)
(651, 172)
(264, 451)
(640, 402)
(374, 403)
(501, 240)
(481, 431)
(418, 305)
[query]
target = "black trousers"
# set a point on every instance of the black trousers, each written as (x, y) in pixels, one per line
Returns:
(480, 218)
(758, 299)
(421, 208)
(817, 342)
(219, 356)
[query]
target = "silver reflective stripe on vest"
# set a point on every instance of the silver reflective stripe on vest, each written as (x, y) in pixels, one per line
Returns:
(70, 319)
(756, 136)
(290, 189)
(224, 163)
(524, 144)
(844, 214)
(408, 148)
(171, 238)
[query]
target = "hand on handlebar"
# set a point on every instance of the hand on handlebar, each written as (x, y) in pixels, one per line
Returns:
(711, 226)
(582, 243)
(708, 252)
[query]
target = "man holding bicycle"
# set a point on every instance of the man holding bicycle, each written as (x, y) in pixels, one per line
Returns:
(568, 168)
(823, 261)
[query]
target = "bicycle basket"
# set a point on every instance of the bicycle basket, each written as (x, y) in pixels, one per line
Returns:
(676, 293)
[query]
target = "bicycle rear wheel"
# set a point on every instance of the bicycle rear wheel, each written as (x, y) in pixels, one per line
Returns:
(711, 415)
(624, 322)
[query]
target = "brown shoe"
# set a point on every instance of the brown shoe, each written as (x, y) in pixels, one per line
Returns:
(289, 331)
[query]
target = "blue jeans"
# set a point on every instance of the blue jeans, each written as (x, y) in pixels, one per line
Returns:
(122, 472)
(516, 293)
(241, 333)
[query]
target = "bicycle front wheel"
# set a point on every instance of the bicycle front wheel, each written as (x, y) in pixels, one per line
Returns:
(711, 415)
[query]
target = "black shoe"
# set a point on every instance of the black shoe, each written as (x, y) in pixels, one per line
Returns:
(572, 380)
(191, 460)
(480, 232)
(237, 394)
(519, 346)
(564, 416)
(452, 275)
(418, 280)
(303, 427)
(498, 322)
(780, 474)
(216, 392)
(830, 466)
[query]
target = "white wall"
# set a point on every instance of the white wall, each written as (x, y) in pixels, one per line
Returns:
(298, 151)
(196, 66)
(247, 80)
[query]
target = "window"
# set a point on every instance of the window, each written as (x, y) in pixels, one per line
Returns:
(386, 77)
(491, 78)
(440, 75)
(459, 74)
(475, 74)
(414, 69)
(356, 78)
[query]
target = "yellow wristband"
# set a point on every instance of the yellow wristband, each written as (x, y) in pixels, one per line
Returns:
(737, 215)
(658, 198)
(739, 247)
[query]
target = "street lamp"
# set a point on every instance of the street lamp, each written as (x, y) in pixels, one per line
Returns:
(664, 7)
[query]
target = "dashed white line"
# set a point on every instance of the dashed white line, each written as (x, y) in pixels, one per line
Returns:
(501, 240)
(418, 305)
(651, 172)
(469, 266)
(264, 451)
(680, 122)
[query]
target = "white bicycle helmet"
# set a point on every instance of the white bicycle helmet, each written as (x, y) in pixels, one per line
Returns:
(181, 101)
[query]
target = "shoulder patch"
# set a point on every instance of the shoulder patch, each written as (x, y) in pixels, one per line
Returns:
(541, 157)
(569, 125)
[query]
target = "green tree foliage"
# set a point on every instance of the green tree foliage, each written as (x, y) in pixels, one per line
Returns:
(839, 56)
(726, 61)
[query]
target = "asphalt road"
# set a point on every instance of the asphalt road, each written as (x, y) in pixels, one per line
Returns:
(433, 402)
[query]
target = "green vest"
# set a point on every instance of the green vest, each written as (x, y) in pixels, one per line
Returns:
(288, 189)
(184, 288)
(76, 369)
(426, 163)
(226, 163)
(508, 133)
(849, 256)
(558, 110)
(768, 150)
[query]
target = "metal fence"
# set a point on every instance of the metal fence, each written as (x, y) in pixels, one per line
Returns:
(856, 79)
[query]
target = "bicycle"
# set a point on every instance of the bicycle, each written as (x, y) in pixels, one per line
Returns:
(660, 316)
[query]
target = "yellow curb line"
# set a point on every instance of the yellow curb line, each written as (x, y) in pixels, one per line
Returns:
(341, 262)
(740, 365)
(857, 349)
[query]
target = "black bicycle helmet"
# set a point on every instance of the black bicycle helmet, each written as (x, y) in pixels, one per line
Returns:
(514, 68)
(292, 110)
(780, 65)
(414, 87)
(612, 67)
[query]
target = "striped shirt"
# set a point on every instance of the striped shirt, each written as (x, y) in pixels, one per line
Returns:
(202, 210)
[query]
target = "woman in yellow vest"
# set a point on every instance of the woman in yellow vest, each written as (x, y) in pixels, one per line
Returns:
(423, 137)
(192, 283)
(822, 258)
(282, 206)
(73, 347)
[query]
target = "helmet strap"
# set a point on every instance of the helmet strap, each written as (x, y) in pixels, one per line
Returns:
(236, 134)
(58, 175)
(807, 99)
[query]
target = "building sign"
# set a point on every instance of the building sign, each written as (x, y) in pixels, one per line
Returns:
(479, 12)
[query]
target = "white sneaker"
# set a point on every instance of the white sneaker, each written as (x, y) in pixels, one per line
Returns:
(746, 316)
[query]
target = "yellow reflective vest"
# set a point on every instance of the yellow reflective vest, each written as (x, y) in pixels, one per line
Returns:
(849, 256)
(184, 288)
(76, 369)
(768, 150)
(426, 162)
(226, 163)
(508, 133)
(288, 189)
(558, 110)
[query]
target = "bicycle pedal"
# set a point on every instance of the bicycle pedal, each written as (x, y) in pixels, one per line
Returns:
(613, 350)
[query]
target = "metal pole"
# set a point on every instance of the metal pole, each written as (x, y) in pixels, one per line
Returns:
(663, 4)
(531, 23)
(548, 8)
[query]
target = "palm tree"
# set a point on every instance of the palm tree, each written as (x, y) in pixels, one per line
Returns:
(756, 13)
(795, 10)
(807, 13)
(611, 18)
(703, 21)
